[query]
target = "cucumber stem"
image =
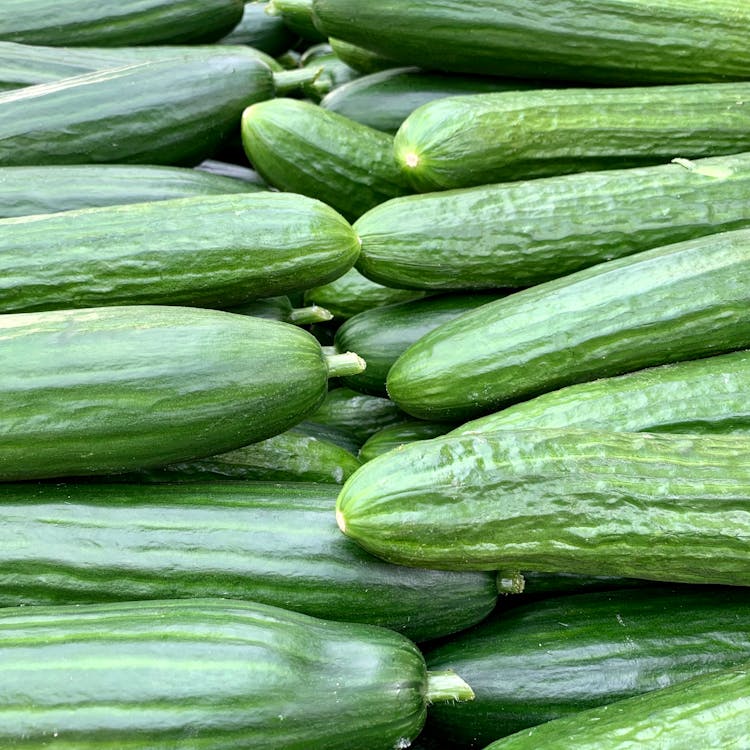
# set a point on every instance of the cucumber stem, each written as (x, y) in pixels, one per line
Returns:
(348, 363)
(447, 686)
(302, 316)
(510, 582)
(287, 81)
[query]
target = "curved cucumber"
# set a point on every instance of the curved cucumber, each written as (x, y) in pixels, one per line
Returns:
(661, 507)
(396, 435)
(208, 251)
(522, 233)
(208, 673)
(106, 390)
(518, 135)
(673, 303)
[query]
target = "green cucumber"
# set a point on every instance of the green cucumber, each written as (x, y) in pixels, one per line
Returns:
(660, 507)
(235, 171)
(108, 23)
(396, 435)
(333, 74)
(627, 41)
(708, 711)
(261, 30)
(555, 584)
(205, 251)
(298, 16)
(677, 302)
(106, 390)
(174, 111)
(209, 674)
(523, 233)
(299, 147)
(360, 58)
(549, 659)
(380, 335)
(280, 308)
(337, 435)
(464, 141)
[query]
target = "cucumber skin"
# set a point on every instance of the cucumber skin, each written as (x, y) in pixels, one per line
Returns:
(660, 507)
(107, 390)
(115, 24)
(360, 58)
(204, 673)
(261, 30)
(208, 251)
(299, 147)
(276, 543)
(677, 302)
(615, 40)
(174, 111)
(524, 233)
(595, 649)
(396, 435)
(519, 135)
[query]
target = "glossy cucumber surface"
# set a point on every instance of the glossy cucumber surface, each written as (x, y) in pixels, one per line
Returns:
(396, 435)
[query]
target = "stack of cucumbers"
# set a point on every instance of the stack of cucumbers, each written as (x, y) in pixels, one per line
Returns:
(374, 375)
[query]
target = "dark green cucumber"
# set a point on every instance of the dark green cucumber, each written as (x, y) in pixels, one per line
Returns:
(208, 673)
(299, 147)
(518, 135)
(555, 584)
(677, 302)
(396, 435)
(360, 58)
(205, 251)
(298, 16)
(627, 41)
(336, 435)
(281, 308)
(106, 390)
(522, 233)
(380, 335)
(705, 395)
(108, 23)
(708, 711)
(352, 293)
(174, 111)
(261, 30)
(559, 656)
(660, 507)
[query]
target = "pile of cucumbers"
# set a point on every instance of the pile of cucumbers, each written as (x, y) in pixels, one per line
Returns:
(374, 375)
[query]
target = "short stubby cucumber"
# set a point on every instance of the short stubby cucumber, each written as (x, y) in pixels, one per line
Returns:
(660, 507)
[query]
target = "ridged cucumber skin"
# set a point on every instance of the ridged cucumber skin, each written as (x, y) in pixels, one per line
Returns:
(204, 251)
(465, 141)
(380, 335)
(559, 656)
(107, 23)
(299, 147)
(174, 111)
(677, 302)
(106, 390)
(261, 30)
(660, 507)
(276, 543)
(208, 674)
(396, 435)
(523, 233)
(42, 190)
(709, 711)
(699, 396)
(626, 41)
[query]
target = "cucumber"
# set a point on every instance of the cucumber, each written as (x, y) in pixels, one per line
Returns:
(299, 147)
(298, 16)
(333, 74)
(396, 435)
(280, 308)
(627, 41)
(677, 302)
(209, 251)
(708, 711)
(560, 656)
(360, 58)
(337, 435)
(174, 111)
(661, 507)
(523, 233)
(208, 673)
(106, 390)
(108, 23)
(235, 171)
(554, 584)
(261, 30)
(380, 335)
(464, 141)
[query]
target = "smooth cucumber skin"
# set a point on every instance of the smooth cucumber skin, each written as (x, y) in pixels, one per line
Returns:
(699, 396)
(710, 711)
(205, 251)
(360, 58)
(380, 335)
(464, 141)
(559, 656)
(276, 543)
(660, 507)
(174, 111)
(298, 16)
(299, 147)
(523, 233)
(615, 40)
(396, 435)
(261, 30)
(203, 675)
(333, 74)
(106, 390)
(677, 302)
